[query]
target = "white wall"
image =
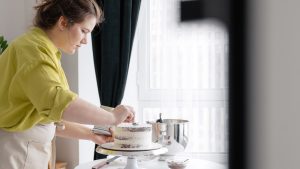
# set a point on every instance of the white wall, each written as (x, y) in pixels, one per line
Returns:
(274, 116)
(15, 17)
(87, 90)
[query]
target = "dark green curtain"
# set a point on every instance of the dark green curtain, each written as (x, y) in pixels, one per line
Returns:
(112, 43)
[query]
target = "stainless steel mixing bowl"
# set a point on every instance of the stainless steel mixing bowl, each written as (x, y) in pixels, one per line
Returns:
(171, 133)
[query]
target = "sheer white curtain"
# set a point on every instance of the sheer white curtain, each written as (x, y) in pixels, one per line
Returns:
(182, 73)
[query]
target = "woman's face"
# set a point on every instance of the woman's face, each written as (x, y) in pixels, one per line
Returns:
(76, 35)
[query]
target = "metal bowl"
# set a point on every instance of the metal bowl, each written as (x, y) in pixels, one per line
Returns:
(172, 134)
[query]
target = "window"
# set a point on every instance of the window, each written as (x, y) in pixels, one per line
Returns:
(182, 73)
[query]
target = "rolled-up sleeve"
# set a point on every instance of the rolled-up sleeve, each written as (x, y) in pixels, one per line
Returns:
(43, 85)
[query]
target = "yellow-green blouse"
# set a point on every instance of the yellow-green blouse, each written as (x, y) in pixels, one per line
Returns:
(33, 86)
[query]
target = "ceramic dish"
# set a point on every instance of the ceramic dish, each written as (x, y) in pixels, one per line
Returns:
(177, 163)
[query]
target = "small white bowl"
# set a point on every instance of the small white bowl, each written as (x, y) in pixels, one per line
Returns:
(177, 163)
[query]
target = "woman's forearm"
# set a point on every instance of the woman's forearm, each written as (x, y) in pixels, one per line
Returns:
(81, 111)
(75, 131)
(80, 131)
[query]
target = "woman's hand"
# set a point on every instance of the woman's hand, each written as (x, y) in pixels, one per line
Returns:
(123, 113)
(101, 139)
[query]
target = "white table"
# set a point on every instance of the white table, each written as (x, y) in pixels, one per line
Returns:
(155, 164)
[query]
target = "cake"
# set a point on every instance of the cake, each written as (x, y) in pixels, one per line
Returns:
(133, 135)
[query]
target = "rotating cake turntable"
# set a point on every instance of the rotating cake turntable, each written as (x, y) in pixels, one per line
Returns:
(131, 153)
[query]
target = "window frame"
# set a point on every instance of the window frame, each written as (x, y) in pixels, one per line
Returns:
(150, 97)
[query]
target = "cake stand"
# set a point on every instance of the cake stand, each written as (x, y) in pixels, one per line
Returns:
(131, 153)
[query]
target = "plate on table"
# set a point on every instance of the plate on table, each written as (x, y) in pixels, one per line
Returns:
(111, 146)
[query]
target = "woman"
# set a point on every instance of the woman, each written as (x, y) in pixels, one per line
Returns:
(34, 93)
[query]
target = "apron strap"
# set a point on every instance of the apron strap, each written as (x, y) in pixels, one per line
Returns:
(51, 164)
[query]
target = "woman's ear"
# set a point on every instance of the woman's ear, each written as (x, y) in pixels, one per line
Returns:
(62, 23)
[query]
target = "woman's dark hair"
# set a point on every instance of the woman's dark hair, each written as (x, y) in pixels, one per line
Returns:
(49, 11)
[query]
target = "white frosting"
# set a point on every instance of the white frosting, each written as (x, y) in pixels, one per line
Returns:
(128, 135)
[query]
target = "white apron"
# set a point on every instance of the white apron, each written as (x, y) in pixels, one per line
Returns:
(30, 149)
